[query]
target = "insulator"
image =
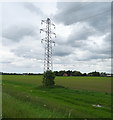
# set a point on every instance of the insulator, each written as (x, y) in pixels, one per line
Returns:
(41, 40)
(47, 40)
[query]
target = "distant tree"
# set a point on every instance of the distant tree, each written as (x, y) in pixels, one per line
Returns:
(94, 74)
(73, 73)
(61, 73)
(69, 72)
(48, 79)
(56, 73)
(84, 74)
(77, 73)
(103, 74)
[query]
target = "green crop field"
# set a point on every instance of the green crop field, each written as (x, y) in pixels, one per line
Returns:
(73, 97)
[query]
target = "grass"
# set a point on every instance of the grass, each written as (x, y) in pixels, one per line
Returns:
(24, 98)
(22, 109)
(101, 84)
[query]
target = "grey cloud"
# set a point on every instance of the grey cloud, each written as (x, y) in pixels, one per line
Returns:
(97, 14)
(6, 62)
(27, 52)
(99, 56)
(16, 33)
(104, 48)
(93, 50)
(7, 42)
(79, 37)
(92, 56)
(21, 51)
(60, 40)
(68, 14)
(31, 7)
(62, 51)
(80, 42)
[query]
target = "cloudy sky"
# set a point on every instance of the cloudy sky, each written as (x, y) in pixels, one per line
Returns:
(83, 36)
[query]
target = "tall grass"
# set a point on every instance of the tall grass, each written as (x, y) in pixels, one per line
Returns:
(16, 108)
(23, 94)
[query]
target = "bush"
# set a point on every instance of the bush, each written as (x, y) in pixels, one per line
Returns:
(48, 79)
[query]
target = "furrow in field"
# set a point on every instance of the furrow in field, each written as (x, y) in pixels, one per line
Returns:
(60, 103)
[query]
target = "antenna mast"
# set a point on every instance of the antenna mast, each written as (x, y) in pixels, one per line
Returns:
(48, 64)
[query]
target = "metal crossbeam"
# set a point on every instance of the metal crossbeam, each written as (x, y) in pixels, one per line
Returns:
(48, 64)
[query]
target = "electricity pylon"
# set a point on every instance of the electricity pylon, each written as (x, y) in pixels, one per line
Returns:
(49, 26)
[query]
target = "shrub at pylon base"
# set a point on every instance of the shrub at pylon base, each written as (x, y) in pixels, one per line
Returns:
(48, 79)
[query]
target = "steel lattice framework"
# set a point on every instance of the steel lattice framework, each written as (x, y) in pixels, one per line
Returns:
(49, 26)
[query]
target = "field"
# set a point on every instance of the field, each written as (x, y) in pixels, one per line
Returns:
(73, 97)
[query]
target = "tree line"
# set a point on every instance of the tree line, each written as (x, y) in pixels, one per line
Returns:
(78, 73)
(63, 73)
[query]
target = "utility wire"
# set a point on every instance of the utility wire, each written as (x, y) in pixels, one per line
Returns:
(96, 29)
(81, 6)
(92, 16)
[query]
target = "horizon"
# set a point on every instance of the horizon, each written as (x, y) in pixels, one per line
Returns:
(54, 71)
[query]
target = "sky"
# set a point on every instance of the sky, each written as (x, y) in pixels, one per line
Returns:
(83, 41)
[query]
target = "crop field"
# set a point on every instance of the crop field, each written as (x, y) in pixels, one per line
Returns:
(73, 97)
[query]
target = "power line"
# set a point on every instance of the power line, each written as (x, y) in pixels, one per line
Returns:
(92, 16)
(102, 27)
(81, 6)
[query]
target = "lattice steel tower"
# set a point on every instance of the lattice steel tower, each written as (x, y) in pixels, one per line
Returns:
(49, 26)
